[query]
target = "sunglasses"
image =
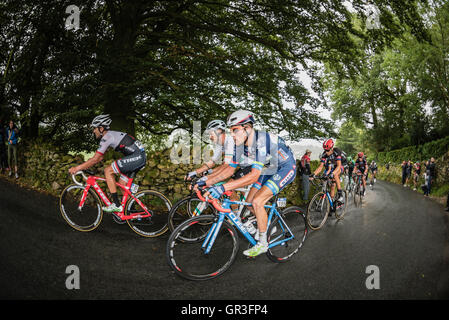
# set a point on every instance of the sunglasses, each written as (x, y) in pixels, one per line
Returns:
(236, 129)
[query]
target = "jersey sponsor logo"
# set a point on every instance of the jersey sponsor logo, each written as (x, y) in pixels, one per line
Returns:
(287, 177)
(130, 159)
(283, 154)
(276, 177)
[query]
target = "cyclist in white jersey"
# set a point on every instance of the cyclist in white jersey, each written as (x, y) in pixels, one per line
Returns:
(224, 145)
(134, 157)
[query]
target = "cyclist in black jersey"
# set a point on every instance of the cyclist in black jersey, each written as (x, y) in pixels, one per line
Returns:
(134, 157)
(362, 167)
(331, 159)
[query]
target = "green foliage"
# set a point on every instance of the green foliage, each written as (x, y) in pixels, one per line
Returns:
(399, 96)
(423, 152)
(156, 66)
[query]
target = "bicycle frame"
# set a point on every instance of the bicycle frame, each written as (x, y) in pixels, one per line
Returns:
(201, 206)
(325, 185)
(224, 211)
(92, 182)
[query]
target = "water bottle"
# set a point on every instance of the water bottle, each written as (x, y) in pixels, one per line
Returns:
(250, 226)
(134, 188)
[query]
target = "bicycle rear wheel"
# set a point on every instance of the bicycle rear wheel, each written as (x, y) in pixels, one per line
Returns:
(188, 260)
(293, 224)
(340, 210)
(85, 218)
(317, 211)
(187, 208)
(157, 204)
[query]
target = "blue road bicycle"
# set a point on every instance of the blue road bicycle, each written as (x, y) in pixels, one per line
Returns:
(322, 204)
(213, 242)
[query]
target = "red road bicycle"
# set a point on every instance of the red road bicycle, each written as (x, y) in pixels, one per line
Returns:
(145, 211)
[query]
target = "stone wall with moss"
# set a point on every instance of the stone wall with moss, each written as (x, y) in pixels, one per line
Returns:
(44, 167)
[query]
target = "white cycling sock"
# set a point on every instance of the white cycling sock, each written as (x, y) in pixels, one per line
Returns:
(263, 238)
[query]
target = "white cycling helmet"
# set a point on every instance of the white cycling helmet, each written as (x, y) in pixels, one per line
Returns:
(240, 117)
(103, 120)
(216, 124)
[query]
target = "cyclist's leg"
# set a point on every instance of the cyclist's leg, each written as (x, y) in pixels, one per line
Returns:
(128, 164)
(270, 186)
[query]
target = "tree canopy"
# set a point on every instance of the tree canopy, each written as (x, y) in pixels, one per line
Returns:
(159, 65)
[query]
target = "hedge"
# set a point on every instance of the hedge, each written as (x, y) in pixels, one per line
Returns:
(434, 149)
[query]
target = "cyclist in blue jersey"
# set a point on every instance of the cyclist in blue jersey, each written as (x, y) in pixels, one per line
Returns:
(273, 167)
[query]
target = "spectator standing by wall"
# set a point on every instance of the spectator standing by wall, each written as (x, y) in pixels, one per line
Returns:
(430, 172)
(3, 162)
(12, 134)
(408, 172)
(416, 173)
(306, 171)
(404, 172)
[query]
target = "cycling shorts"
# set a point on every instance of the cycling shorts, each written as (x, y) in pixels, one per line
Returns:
(131, 163)
(278, 181)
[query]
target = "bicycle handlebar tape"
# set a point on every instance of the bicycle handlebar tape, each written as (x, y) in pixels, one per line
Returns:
(217, 206)
(200, 196)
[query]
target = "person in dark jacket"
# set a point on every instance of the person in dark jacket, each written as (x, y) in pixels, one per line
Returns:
(430, 173)
(404, 172)
(12, 135)
(306, 171)
(3, 162)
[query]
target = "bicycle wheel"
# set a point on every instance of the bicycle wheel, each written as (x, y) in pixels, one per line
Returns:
(159, 207)
(317, 211)
(293, 223)
(187, 208)
(86, 218)
(340, 210)
(357, 195)
(188, 260)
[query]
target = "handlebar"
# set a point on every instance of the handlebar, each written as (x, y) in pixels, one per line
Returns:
(214, 202)
(76, 181)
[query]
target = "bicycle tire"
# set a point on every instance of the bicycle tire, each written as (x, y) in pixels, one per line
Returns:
(187, 259)
(296, 221)
(91, 214)
(340, 211)
(316, 221)
(183, 210)
(159, 206)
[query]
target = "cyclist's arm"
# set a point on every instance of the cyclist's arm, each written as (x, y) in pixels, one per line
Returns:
(226, 173)
(318, 170)
(217, 172)
(206, 166)
(244, 181)
(98, 157)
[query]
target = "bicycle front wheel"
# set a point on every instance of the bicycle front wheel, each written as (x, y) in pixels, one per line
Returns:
(189, 260)
(187, 208)
(318, 211)
(82, 217)
(340, 210)
(157, 205)
(287, 234)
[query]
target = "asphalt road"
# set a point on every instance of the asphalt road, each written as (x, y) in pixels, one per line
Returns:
(403, 234)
